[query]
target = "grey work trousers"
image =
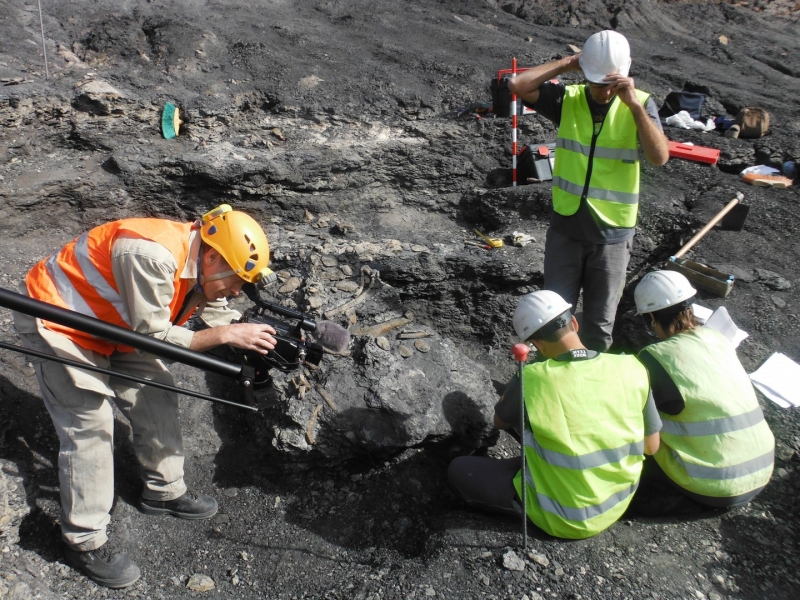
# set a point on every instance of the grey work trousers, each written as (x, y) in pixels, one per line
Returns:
(486, 483)
(599, 269)
(84, 422)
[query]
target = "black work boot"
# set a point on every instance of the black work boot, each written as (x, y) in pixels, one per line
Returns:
(188, 506)
(103, 566)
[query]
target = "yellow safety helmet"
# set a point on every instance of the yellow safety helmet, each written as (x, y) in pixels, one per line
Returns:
(241, 242)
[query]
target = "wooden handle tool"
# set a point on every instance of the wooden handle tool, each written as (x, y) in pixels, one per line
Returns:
(699, 235)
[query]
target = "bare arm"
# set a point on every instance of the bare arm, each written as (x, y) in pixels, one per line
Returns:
(653, 141)
(508, 406)
(526, 85)
(499, 423)
(651, 443)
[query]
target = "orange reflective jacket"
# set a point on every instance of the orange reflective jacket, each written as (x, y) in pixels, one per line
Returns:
(79, 277)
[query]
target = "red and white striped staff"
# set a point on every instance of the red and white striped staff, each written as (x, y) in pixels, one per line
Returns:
(513, 127)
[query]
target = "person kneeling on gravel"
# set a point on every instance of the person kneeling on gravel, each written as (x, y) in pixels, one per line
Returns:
(590, 421)
(150, 276)
(716, 446)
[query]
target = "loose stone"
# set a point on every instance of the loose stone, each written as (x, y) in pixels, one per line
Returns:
(200, 583)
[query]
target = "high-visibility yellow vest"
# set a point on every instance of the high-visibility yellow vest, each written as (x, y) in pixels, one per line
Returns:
(719, 445)
(79, 277)
(604, 170)
(585, 442)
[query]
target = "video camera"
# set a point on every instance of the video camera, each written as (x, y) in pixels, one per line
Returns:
(291, 348)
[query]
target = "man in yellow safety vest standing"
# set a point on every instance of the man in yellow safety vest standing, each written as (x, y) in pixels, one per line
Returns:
(590, 421)
(716, 446)
(596, 174)
(150, 276)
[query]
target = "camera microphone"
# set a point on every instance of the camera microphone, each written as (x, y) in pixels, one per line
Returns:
(332, 336)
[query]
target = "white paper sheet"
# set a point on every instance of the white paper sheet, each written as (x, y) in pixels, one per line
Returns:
(779, 380)
(701, 313)
(722, 322)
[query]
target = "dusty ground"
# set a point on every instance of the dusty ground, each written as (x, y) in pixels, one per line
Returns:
(366, 96)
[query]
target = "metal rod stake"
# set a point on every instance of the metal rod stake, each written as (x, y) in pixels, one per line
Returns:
(522, 454)
(44, 44)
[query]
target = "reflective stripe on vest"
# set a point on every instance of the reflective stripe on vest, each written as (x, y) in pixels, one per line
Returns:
(743, 469)
(584, 461)
(69, 294)
(714, 426)
(719, 445)
(585, 442)
(80, 277)
(585, 513)
(609, 195)
(606, 177)
(612, 153)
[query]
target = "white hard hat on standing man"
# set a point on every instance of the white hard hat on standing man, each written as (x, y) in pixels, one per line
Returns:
(604, 53)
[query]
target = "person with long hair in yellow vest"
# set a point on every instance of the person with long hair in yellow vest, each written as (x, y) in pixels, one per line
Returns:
(601, 124)
(590, 422)
(148, 275)
(716, 447)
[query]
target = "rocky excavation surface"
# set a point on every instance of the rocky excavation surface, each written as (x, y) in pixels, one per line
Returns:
(351, 131)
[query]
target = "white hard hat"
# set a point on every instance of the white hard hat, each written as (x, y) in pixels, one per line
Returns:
(661, 289)
(605, 53)
(536, 310)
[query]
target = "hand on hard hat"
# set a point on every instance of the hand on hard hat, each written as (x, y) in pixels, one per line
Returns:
(240, 241)
(661, 289)
(623, 87)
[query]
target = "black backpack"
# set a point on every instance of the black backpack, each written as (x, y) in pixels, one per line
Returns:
(675, 102)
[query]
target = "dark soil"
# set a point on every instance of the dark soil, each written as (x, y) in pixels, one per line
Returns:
(375, 144)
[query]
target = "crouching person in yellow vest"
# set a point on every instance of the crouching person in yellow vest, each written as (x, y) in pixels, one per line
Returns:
(150, 276)
(590, 421)
(716, 446)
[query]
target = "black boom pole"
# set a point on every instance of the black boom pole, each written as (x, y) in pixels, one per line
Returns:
(119, 335)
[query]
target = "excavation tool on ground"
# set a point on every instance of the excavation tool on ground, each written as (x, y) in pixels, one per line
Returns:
(478, 245)
(493, 242)
(732, 218)
(170, 121)
(520, 352)
(252, 372)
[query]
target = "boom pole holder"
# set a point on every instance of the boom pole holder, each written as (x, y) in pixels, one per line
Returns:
(48, 312)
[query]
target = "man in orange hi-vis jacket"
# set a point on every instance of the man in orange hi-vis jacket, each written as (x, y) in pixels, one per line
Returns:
(150, 276)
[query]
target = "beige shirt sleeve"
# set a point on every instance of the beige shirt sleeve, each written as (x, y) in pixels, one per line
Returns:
(144, 271)
(217, 313)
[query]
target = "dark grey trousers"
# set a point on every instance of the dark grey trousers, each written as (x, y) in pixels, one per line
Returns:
(598, 269)
(486, 483)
